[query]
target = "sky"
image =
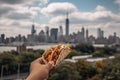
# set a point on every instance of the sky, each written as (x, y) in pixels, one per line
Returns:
(17, 16)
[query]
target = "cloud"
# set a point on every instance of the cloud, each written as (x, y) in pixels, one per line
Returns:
(90, 16)
(19, 16)
(99, 15)
(43, 2)
(24, 2)
(5, 10)
(15, 27)
(109, 28)
(18, 12)
(100, 8)
(14, 31)
(11, 1)
(117, 2)
(58, 9)
(16, 17)
(57, 20)
(23, 13)
(99, 18)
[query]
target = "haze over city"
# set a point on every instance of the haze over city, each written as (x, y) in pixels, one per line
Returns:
(17, 16)
(60, 39)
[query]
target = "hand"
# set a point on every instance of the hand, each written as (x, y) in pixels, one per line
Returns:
(40, 71)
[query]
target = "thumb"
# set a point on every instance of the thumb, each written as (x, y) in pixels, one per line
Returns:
(50, 65)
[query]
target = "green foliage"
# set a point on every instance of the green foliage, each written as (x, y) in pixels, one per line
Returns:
(112, 70)
(99, 65)
(98, 54)
(85, 69)
(85, 48)
(39, 51)
(94, 78)
(108, 50)
(10, 61)
(14, 52)
(7, 59)
(81, 70)
(65, 71)
(27, 57)
(104, 51)
(73, 53)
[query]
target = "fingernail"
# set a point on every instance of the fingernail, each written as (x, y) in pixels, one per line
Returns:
(51, 62)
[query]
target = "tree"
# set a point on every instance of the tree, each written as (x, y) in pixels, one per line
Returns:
(98, 54)
(85, 69)
(99, 65)
(25, 59)
(94, 78)
(111, 69)
(108, 50)
(65, 71)
(39, 51)
(8, 61)
(73, 53)
(85, 48)
(28, 57)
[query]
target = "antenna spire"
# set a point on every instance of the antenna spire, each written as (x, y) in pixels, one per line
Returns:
(33, 21)
(67, 14)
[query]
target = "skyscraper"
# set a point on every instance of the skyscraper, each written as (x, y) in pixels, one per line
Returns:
(47, 33)
(61, 31)
(2, 38)
(100, 33)
(83, 32)
(41, 36)
(33, 31)
(67, 25)
(32, 37)
(87, 34)
(54, 34)
(19, 37)
(115, 34)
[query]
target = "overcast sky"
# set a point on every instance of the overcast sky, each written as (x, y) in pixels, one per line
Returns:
(17, 16)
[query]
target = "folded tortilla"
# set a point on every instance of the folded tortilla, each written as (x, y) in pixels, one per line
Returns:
(56, 54)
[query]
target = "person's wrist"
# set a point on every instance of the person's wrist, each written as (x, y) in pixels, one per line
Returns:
(33, 77)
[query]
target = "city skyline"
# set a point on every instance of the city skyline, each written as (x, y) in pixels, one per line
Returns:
(18, 16)
(55, 35)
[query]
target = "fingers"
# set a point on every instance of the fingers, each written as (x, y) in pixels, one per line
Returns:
(38, 60)
(50, 65)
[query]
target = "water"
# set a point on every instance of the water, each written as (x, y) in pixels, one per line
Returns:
(7, 48)
(42, 46)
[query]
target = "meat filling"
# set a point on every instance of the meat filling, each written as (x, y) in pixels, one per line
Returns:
(53, 54)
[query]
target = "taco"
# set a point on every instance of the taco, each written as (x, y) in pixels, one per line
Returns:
(56, 54)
